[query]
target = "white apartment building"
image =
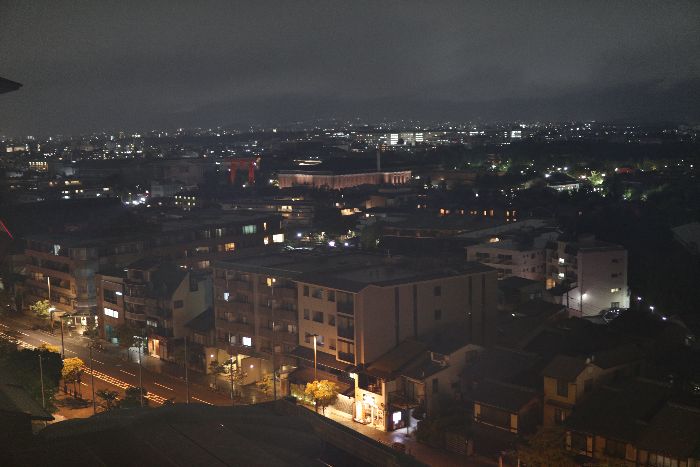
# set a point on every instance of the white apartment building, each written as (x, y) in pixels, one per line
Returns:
(588, 275)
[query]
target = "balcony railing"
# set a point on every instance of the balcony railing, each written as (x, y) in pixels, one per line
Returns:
(346, 307)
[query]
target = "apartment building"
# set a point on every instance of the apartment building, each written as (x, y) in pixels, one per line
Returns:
(520, 256)
(354, 315)
(256, 306)
(587, 275)
(67, 264)
(156, 300)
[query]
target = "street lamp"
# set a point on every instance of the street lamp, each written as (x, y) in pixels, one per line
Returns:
(230, 372)
(271, 283)
(139, 339)
(315, 356)
(92, 380)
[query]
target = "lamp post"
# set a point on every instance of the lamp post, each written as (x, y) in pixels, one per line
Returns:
(271, 283)
(92, 381)
(63, 347)
(315, 356)
(139, 339)
(51, 308)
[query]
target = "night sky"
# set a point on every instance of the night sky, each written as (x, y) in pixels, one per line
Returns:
(138, 65)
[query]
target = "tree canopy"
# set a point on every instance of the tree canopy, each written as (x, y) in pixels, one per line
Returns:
(323, 393)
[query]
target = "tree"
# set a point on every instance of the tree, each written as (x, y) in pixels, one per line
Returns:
(126, 333)
(42, 309)
(323, 393)
(132, 398)
(109, 397)
(546, 448)
(72, 370)
(50, 348)
(265, 384)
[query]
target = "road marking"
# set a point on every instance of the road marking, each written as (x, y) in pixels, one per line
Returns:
(24, 333)
(84, 384)
(97, 361)
(200, 400)
(123, 385)
(130, 374)
(164, 387)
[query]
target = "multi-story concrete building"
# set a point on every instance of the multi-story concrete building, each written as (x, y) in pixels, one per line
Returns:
(588, 275)
(251, 293)
(69, 263)
(524, 257)
(155, 299)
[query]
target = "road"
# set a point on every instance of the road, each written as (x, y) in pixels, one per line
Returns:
(113, 370)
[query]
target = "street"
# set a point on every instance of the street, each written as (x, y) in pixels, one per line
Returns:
(116, 369)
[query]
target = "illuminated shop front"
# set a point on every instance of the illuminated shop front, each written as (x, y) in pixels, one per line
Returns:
(369, 411)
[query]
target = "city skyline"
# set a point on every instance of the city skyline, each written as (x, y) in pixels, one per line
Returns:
(233, 64)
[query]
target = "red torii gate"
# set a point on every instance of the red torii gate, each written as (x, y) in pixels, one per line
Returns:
(252, 163)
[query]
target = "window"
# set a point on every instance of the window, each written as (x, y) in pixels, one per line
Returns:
(278, 238)
(111, 313)
(307, 315)
(318, 316)
(331, 320)
(319, 341)
(615, 290)
(437, 291)
(331, 344)
(266, 240)
(250, 229)
(226, 296)
(615, 448)
(615, 260)
(331, 295)
(346, 327)
(614, 304)
(317, 293)
(306, 291)
(615, 274)
(292, 328)
(109, 296)
(436, 386)
(438, 315)
(562, 388)
(657, 460)
(229, 246)
(307, 337)
(152, 323)
(178, 304)
(247, 341)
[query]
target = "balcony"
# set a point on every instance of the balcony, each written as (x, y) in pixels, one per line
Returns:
(135, 316)
(347, 333)
(400, 399)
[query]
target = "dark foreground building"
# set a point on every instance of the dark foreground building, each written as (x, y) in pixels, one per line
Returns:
(185, 435)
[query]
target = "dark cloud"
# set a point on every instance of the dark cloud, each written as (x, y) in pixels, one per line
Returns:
(101, 65)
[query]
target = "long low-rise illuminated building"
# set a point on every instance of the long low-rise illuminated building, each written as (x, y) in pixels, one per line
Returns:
(338, 181)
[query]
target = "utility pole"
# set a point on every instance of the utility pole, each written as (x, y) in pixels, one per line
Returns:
(271, 282)
(92, 382)
(187, 379)
(41, 376)
(63, 347)
(48, 283)
(315, 359)
(230, 373)
(140, 380)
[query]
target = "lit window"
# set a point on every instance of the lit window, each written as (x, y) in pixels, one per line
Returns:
(229, 246)
(615, 290)
(250, 229)
(266, 240)
(226, 296)
(111, 313)
(561, 261)
(278, 238)
(247, 341)
(561, 275)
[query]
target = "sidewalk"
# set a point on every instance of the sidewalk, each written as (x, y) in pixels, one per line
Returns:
(422, 452)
